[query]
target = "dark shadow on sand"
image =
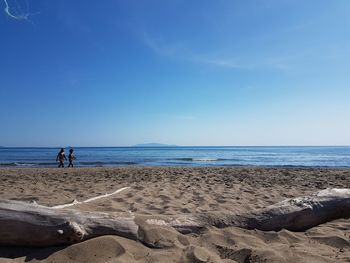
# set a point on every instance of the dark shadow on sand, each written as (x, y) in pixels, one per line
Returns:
(29, 253)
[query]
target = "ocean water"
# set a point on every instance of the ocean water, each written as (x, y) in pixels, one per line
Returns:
(181, 156)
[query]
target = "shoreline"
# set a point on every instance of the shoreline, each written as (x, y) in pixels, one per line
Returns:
(178, 166)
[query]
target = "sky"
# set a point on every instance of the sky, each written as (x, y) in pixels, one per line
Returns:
(199, 72)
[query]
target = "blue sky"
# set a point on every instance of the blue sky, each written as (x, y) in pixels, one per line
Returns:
(225, 72)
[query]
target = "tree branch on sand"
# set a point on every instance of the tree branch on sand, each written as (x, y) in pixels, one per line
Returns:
(23, 224)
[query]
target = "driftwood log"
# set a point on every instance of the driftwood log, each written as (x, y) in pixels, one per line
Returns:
(23, 224)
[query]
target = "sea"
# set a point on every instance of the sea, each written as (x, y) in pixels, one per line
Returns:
(181, 156)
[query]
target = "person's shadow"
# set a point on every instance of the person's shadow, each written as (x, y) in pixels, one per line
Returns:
(29, 253)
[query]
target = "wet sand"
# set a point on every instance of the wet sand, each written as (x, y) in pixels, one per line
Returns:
(183, 191)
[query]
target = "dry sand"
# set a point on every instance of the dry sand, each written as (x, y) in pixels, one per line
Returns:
(183, 190)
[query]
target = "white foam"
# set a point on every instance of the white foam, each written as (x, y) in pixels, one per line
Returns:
(205, 159)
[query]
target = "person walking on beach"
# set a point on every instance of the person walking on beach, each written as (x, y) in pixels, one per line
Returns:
(71, 158)
(60, 158)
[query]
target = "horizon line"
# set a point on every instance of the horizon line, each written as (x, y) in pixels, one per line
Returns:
(174, 146)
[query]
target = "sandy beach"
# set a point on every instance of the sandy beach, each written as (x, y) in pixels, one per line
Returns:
(170, 191)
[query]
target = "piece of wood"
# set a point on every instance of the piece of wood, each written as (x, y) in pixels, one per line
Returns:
(24, 224)
(35, 225)
(76, 202)
(296, 214)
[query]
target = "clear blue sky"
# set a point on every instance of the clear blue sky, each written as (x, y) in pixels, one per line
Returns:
(200, 72)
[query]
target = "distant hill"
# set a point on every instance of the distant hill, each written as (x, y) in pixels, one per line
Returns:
(153, 145)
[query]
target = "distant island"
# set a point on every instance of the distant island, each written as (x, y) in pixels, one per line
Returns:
(154, 145)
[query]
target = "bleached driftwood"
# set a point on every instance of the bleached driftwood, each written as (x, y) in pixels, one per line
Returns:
(76, 202)
(35, 225)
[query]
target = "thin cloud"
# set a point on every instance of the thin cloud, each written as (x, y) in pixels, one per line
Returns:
(161, 47)
(178, 51)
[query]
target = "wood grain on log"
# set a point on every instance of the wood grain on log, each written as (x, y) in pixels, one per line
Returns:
(24, 224)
